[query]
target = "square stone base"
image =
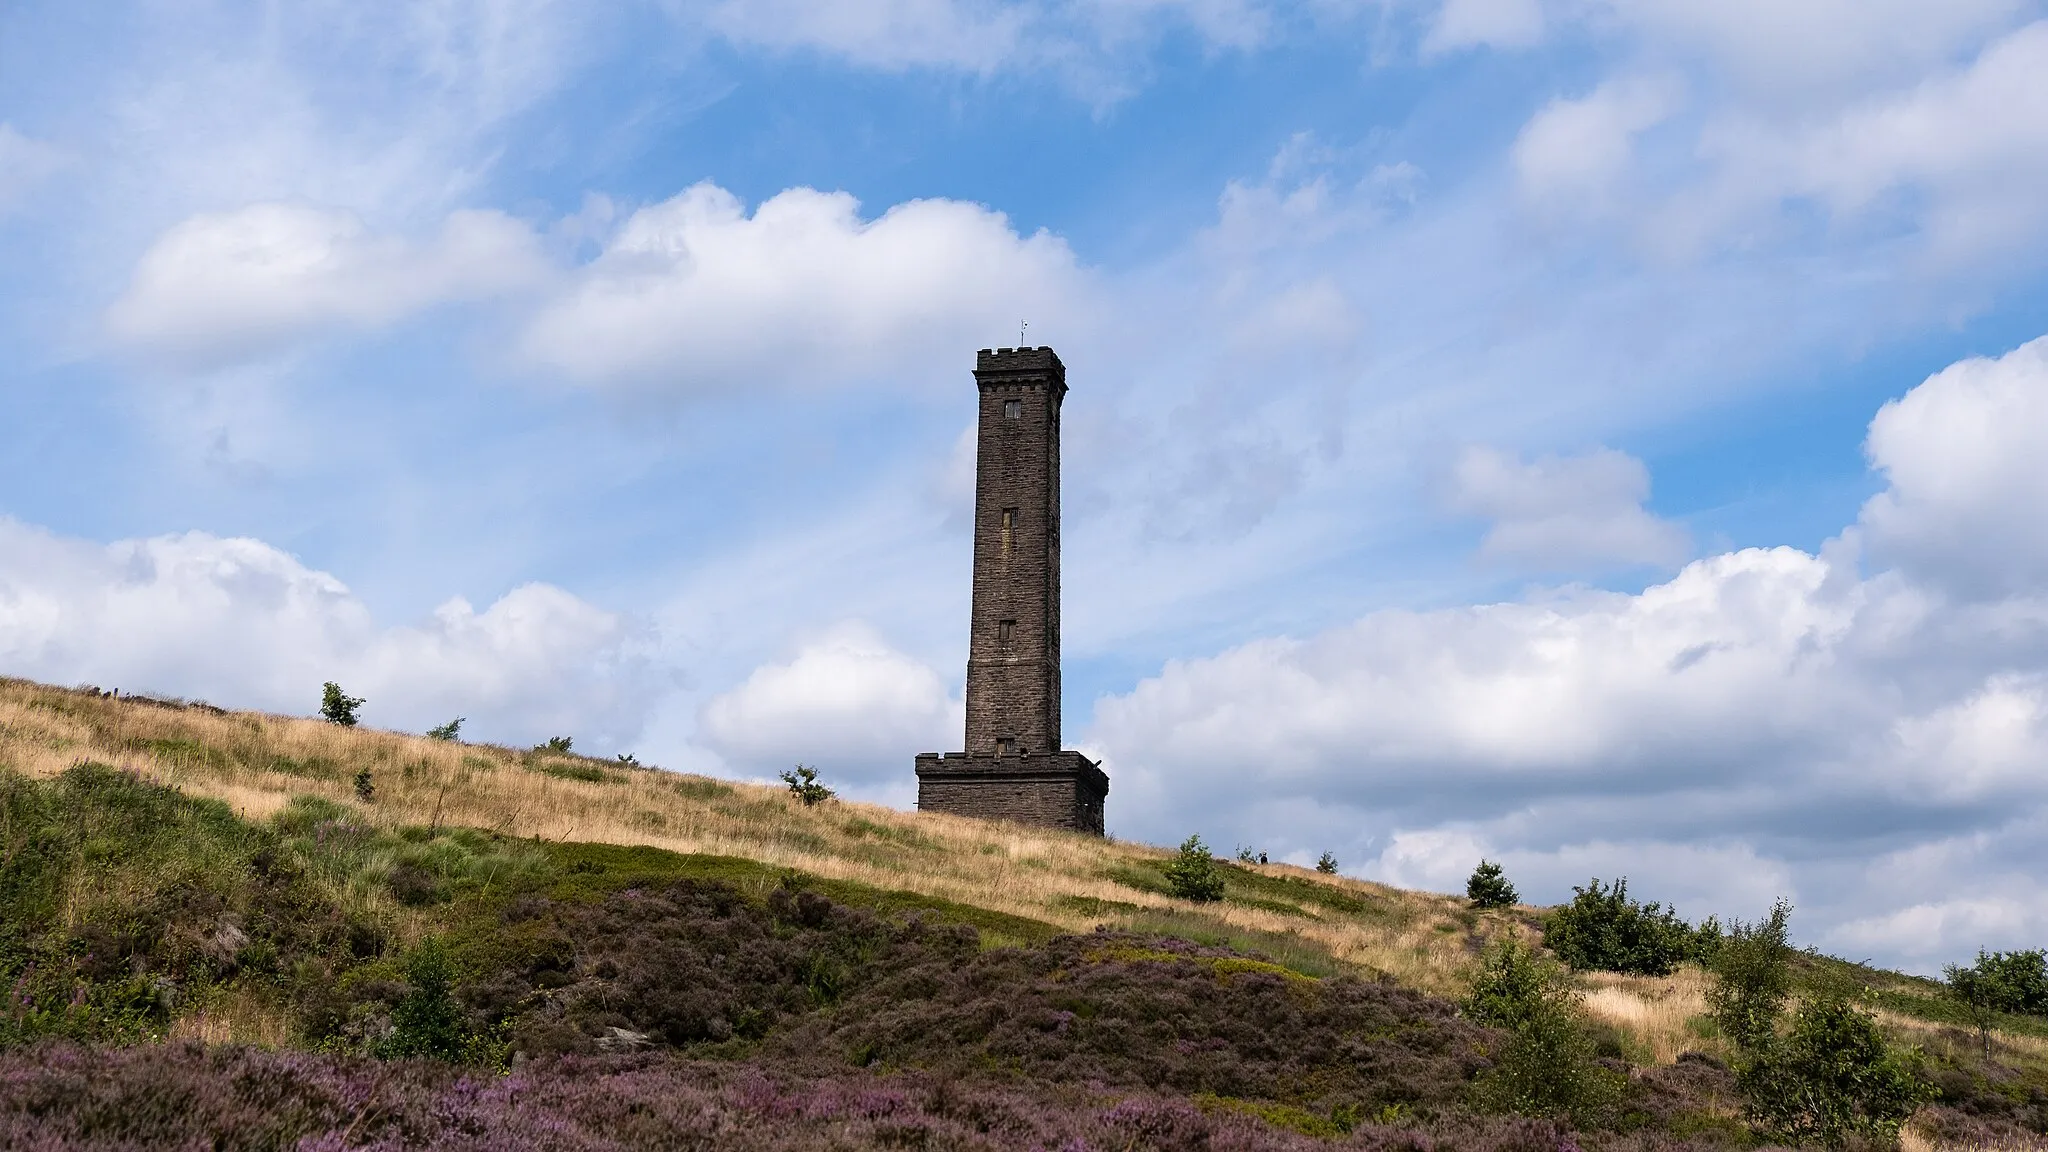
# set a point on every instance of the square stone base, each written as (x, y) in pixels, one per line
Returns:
(1054, 789)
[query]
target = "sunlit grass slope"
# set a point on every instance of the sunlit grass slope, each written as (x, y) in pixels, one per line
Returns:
(1026, 882)
(257, 763)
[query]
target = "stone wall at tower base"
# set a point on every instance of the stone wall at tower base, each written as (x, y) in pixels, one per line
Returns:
(1055, 789)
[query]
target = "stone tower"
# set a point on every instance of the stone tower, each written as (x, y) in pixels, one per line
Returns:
(1013, 768)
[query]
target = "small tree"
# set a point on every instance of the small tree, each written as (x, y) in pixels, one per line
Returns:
(449, 731)
(1547, 1065)
(427, 1021)
(1753, 968)
(803, 784)
(556, 744)
(2015, 982)
(1488, 887)
(1246, 855)
(366, 789)
(338, 707)
(628, 759)
(1327, 864)
(1193, 874)
(1605, 930)
(1832, 1079)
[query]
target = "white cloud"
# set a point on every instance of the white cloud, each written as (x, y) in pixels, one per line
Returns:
(24, 165)
(1970, 143)
(846, 703)
(695, 292)
(1571, 155)
(1765, 716)
(1561, 513)
(223, 288)
(1964, 457)
(1492, 23)
(1781, 48)
(242, 624)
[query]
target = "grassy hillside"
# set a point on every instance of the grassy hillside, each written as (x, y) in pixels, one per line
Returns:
(173, 871)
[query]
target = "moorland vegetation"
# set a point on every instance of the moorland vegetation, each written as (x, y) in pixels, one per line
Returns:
(236, 930)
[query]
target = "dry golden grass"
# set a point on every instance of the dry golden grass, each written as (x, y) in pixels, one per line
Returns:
(256, 762)
(1655, 1014)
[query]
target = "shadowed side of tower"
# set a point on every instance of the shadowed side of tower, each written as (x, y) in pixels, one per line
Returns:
(1014, 768)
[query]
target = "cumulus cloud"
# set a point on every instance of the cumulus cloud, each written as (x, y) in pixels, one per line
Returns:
(243, 624)
(696, 291)
(1963, 454)
(223, 288)
(846, 702)
(1561, 513)
(1763, 717)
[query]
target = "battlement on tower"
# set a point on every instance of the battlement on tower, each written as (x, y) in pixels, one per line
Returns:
(1034, 360)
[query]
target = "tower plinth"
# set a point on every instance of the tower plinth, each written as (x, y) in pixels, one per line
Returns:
(1014, 768)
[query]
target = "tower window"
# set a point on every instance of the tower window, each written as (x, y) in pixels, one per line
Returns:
(1013, 409)
(1005, 629)
(1009, 530)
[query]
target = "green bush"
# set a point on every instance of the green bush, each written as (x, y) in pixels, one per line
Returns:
(1488, 887)
(803, 784)
(1192, 875)
(1833, 1079)
(427, 1021)
(449, 731)
(1753, 975)
(1547, 1066)
(338, 707)
(366, 787)
(1327, 865)
(557, 744)
(1603, 930)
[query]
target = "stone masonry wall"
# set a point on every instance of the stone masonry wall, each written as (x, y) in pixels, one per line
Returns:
(1065, 790)
(1013, 681)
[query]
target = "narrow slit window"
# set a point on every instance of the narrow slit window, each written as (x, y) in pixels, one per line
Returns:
(1005, 629)
(1013, 409)
(1009, 530)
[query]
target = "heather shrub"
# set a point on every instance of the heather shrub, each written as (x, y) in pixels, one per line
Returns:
(1137, 1011)
(1192, 875)
(1602, 929)
(1488, 887)
(1753, 975)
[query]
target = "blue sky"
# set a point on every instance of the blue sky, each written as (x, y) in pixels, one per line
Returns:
(1598, 434)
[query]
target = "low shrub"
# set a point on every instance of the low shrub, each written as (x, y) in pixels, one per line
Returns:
(1753, 976)
(1603, 930)
(1193, 875)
